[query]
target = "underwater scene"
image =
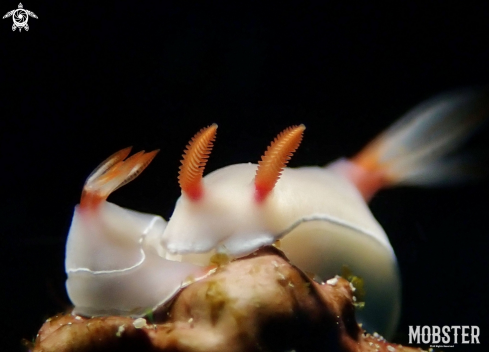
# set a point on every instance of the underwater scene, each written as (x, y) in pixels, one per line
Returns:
(244, 177)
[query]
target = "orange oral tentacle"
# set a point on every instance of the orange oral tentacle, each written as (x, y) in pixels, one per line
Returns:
(112, 174)
(108, 163)
(275, 159)
(137, 167)
(117, 169)
(90, 200)
(194, 161)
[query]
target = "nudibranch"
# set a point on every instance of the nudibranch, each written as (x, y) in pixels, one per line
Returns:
(113, 265)
(123, 262)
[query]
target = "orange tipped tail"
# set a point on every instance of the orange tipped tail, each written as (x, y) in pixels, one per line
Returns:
(417, 150)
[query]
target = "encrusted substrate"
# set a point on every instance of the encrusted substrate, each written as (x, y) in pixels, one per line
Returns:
(258, 303)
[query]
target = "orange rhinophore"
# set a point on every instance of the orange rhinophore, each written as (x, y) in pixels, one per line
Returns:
(275, 159)
(194, 161)
(112, 174)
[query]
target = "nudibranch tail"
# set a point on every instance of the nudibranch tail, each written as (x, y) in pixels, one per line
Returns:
(275, 159)
(416, 149)
(112, 174)
(194, 160)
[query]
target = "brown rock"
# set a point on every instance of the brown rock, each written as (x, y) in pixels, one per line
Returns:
(258, 303)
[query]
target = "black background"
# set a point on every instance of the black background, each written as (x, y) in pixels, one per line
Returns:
(90, 78)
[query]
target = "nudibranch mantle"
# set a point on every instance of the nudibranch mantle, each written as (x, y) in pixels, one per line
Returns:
(120, 261)
(229, 213)
(112, 260)
(325, 226)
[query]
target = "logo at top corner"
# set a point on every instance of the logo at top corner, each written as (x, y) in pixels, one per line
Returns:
(20, 17)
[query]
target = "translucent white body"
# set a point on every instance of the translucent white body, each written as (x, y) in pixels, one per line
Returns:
(320, 217)
(123, 262)
(113, 266)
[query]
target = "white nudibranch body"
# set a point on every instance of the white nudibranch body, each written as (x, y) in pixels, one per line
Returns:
(320, 218)
(123, 262)
(113, 266)
(114, 262)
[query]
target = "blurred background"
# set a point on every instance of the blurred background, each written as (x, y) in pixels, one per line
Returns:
(90, 78)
